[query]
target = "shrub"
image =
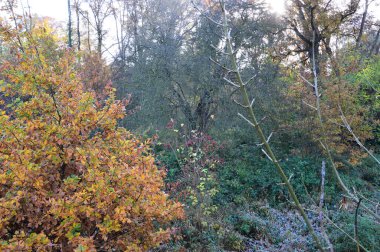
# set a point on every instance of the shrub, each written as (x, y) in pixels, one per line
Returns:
(70, 179)
(192, 161)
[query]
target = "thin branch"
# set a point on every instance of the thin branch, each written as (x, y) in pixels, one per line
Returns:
(247, 120)
(348, 127)
(218, 50)
(231, 82)
(311, 106)
(238, 103)
(225, 68)
(252, 102)
(269, 137)
(266, 154)
(248, 81)
(203, 14)
(308, 82)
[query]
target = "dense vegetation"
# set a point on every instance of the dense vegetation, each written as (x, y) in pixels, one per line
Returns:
(247, 131)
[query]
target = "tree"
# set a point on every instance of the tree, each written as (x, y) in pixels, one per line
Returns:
(315, 23)
(100, 9)
(70, 26)
(77, 4)
(163, 60)
(70, 179)
(94, 73)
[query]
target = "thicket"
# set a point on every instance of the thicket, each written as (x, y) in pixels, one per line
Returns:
(240, 114)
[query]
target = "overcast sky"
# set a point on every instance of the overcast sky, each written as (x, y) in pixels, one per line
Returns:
(58, 8)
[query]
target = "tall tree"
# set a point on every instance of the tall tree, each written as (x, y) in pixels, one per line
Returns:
(70, 25)
(314, 24)
(100, 10)
(78, 23)
(362, 24)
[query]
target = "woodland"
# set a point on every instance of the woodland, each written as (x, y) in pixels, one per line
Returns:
(179, 125)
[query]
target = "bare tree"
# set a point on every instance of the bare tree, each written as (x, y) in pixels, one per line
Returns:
(100, 10)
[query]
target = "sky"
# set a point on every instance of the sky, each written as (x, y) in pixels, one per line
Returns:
(58, 8)
(277, 6)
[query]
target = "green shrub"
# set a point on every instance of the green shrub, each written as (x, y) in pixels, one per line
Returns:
(368, 229)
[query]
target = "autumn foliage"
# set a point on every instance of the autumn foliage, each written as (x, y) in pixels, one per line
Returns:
(94, 73)
(70, 178)
(340, 98)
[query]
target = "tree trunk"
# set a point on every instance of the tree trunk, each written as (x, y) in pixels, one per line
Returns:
(100, 39)
(78, 25)
(375, 42)
(364, 18)
(70, 42)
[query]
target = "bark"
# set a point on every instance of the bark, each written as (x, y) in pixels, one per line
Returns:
(364, 18)
(375, 44)
(70, 42)
(78, 25)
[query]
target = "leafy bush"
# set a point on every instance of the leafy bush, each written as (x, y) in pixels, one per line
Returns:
(191, 161)
(70, 179)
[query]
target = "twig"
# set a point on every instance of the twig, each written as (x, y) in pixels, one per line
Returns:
(238, 103)
(348, 127)
(218, 50)
(248, 81)
(217, 63)
(308, 82)
(247, 120)
(311, 106)
(230, 82)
